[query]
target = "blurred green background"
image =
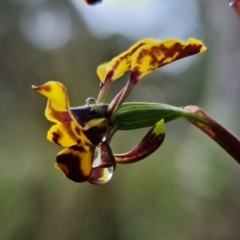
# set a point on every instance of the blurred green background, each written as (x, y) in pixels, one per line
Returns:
(188, 189)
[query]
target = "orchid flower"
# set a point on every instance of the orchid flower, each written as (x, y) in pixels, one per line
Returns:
(85, 132)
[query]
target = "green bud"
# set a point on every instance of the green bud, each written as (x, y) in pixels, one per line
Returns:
(139, 115)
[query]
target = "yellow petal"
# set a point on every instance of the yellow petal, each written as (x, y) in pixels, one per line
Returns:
(98, 122)
(58, 105)
(62, 135)
(159, 53)
(67, 135)
(121, 64)
(68, 131)
(76, 162)
(102, 71)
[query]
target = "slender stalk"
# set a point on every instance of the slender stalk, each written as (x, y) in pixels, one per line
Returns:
(121, 97)
(218, 133)
(114, 102)
(104, 90)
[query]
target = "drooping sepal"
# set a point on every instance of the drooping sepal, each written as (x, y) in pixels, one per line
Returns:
(76, 162)
(150, 143)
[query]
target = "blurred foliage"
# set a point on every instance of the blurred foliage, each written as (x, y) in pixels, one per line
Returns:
(188, 189)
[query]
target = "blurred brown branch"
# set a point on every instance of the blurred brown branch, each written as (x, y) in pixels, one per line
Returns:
(218, 133)
(235, 4)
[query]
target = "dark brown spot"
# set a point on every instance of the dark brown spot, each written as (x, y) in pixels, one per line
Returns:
(78, 148)
(46, 88)
(189, 50)
(155, 51)
(56, 137)
(62, 116)
(128, 54)
(78, 131)
(135, 74)
(167, 52)
(72, 163)
(109, 77)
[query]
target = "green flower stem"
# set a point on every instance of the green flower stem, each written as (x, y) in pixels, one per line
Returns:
(218, 133)
(136, 115)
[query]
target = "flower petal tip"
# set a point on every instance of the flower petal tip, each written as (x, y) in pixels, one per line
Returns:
(38, 88)
(43, 89)
(194, 41)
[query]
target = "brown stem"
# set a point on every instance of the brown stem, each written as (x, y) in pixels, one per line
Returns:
(235, 4)
(219, 134)
(104, 89)
(114, 102)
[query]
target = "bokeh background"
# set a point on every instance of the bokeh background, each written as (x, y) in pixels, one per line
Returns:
(188, 189)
